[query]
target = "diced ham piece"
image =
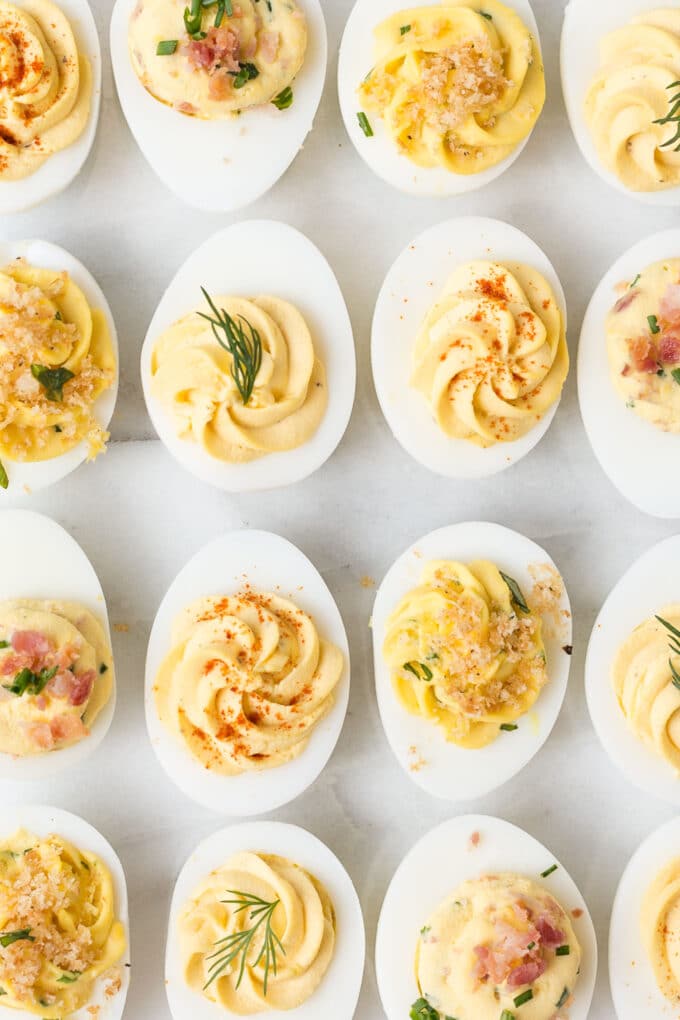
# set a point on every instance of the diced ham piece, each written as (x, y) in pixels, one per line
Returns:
(669, 347)
(31, 642)
(81, 688)
(669, 309)
(551, 937)
(626, 301)
(269, 46)
(644, 355)
(218, 51)
(526, 973)
(60, 684)
(12, 664)
(40, 735)
(68, 727)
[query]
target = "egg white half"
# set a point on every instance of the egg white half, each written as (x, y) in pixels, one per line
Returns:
(412, 286)
(337, 995)
(63, 167)
(585, 25)
(268, 563)
(43, 821)
(357, 57)
(40, 560)
(220, 165)
(273, 259)
(634, 453)
(644, 589)
(30, 477)
(432, 870)
(633, 985)
(439, 767)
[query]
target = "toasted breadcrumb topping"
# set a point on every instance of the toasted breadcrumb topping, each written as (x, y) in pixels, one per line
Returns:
(460, 82)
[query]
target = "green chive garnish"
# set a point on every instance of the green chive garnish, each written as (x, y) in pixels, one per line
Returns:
(509, 727)
(653, 324)
(365, 124)
(489, 17)
(103, 668)
(676, 375)
(68, 978)
(284, 100)
(635, 282)
(405, 29)
(10, 937)
(507, 1015)
(549, 871)
(563, 951)
(524, 997)
(422, 1010)
(4, 480)
(166, 47)
(563, 998)
(415, 667)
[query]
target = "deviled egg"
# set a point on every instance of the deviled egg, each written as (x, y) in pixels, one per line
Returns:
(249, 372)
(469, 347)
(50, 94)
(620, 69)
(247, 675)
(219, 96)
(282, 887)
(66, 939)
(481, 922)
(632, 670)
(629, 372)
(58, 692)
(472, 598)
(59, 376)
(440, 98)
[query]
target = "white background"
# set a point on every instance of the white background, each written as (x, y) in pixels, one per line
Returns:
(139, 517)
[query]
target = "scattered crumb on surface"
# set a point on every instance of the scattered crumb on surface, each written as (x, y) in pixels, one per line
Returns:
(569, 649)
(577, 912)
(418, 554)
(367, 581)
(474, 841)
(417, 762)
(121, 628)
(93, 1010)
(27, 489)
(547, 593)
(114, 985)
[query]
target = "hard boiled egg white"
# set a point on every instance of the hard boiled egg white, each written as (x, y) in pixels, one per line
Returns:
(648, 586)
(41, 561)
(633, 985)
(268, 563)
(432, 870)
(24, 477)
(220, 165)
(412, 286)
(63, 167)
(585, 25)
(45, 821)
(439, 767)
(357, 57)
(634, 453)
(273, 259)
(336, 997)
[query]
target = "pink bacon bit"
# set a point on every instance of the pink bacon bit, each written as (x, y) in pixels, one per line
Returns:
(31, 642)
(669, 308)
(625, 301)
(526, 973)
(669, 347)
(219, 51)
(76, 687)
(644, 355)
(551, 937)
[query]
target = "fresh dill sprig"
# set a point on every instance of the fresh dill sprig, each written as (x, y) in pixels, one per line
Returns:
(674, 644)
(242, 341)
(238, 944)
(673, 117)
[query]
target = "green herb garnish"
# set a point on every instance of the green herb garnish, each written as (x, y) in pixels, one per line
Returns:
(4, 480)
(103, 668)
(52, 380)
(531, 945)
(484, 14)
(635, 281)
(654, 326)
(10, 937)
(414, 667)
(69, 978)
(247, 73)
(673, 117)
(425, 929)
(549, 871)
(422, 1010)
(674, 644)
(28, 682)
(509, 727)
(563, 998)
(58, 316)
(405, 29)
(4, 644)
(524, 997)
(516, 593)
(192, 18)
(228, 949)
(676, 375)
(507, 1015)
(58, 428)
(563, 951)
(242, 341)
(284, 100)
(2, 991)
(166, 47)
(365, 124)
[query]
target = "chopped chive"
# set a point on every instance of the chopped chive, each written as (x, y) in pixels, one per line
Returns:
(635, 282)
(563, 951)
(653, 324)
(103, 668)
(248, 72)
(68, 978)
(405, 29)
(549, 871)
(414, 667)
(4, 644)
(422, 1010)
(166, 47)
(524, 997)
(676, 375)
(507, 1015)
(57, 428)
(509, 727)
(563, 998)
(365, 124)
(284, 100)
(58, 316)
(484, 14)
(4, 480)
(532, 945)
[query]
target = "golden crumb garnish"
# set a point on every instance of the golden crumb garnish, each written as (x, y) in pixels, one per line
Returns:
(121, 628)
(367, 581)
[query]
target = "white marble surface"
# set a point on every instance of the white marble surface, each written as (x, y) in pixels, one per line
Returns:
(140, 518)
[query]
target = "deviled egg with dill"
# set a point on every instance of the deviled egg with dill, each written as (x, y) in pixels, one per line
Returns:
(264, 919)
(480, 922)
(249, 371)
(472, 647)
(220, 95)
